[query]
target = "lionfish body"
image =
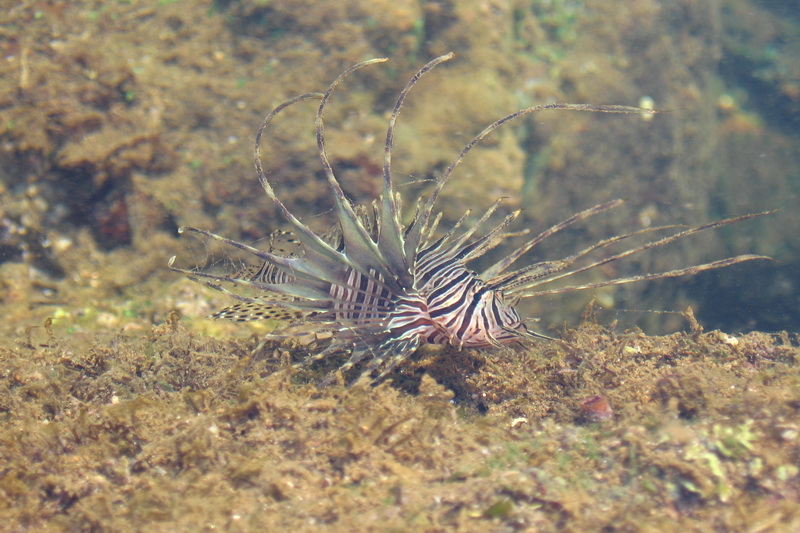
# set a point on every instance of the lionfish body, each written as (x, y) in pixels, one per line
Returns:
(384, 288)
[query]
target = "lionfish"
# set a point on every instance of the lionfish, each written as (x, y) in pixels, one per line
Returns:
(383, 287)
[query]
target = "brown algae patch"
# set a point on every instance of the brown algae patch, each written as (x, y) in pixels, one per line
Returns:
(178, 431)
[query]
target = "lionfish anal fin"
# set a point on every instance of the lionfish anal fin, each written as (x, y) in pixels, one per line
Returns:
(246, 312)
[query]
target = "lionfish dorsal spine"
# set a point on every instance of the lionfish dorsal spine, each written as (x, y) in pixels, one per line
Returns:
(400, 251)
(361, 250)
(507, 261)
(320, 255)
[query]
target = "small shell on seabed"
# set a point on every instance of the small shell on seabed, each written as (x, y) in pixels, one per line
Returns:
(596, 409)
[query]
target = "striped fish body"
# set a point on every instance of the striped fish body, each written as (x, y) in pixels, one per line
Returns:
(384, 288)
(458, 308)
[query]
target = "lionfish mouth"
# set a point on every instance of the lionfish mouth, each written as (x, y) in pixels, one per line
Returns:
(383, 287)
